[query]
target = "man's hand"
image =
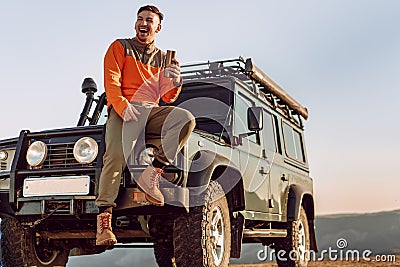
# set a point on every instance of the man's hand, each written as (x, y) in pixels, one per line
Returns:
(174, 71)
(129, 113)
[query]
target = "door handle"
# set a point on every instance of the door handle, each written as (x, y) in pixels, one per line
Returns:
(284, 178)
(262, 171)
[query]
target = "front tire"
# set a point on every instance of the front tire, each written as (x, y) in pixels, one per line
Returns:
(203, 237)
(164, 254)
(161, 229)
(296, 245)
(24, 247)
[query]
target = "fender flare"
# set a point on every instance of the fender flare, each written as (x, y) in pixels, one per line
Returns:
(295, 199)
(203, 165)
(300, 196)
(206, 163)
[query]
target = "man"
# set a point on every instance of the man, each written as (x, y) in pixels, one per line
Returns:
(135, 78)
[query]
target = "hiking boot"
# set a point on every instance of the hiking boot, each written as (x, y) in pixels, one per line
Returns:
(149, 183)
(104, 234)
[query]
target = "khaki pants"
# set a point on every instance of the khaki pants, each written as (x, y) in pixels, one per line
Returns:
(173, 124)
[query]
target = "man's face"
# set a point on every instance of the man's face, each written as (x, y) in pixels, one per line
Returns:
(147, 25)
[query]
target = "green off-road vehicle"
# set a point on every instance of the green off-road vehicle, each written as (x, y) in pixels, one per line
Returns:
(242, 177)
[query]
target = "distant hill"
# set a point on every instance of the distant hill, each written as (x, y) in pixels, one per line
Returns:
(378, 232)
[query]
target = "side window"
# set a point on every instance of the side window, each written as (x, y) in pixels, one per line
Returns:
(241, 106)
(293, 143)
(269, 132)
(299, 146)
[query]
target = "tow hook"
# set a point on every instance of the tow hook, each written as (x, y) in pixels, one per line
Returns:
(38, 221)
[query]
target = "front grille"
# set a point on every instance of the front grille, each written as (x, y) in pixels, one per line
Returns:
(58, 207)
(3, 166)
(61, 156)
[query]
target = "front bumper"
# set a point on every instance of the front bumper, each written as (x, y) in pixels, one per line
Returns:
(60, 205)
(130, 200)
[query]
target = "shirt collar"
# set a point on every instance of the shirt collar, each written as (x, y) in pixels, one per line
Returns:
(143, 47)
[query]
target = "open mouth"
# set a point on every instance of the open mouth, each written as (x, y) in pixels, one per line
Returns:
(143, 30)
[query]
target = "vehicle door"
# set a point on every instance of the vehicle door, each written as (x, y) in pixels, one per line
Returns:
(271, 164)
(250, 153)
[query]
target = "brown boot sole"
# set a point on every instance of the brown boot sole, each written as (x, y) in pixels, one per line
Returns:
(106, 242)
(151, 199)
(154, 201)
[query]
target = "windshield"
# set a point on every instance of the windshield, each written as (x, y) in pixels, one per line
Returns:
(211, 105)
(103, 116)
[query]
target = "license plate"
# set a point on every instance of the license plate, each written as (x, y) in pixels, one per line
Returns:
(55, 186)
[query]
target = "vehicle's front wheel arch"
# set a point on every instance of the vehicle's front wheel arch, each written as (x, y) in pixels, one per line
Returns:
(232, 183)
(299, 196)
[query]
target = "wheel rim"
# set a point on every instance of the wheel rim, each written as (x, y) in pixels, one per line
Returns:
(217, 235)
(301, 242)
(44, 254)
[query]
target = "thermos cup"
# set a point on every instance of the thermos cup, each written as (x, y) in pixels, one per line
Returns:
(168, 60)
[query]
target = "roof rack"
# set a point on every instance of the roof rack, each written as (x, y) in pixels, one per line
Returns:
(246, 71)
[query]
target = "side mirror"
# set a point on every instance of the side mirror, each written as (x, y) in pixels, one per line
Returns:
(254, 123)
(255, 119)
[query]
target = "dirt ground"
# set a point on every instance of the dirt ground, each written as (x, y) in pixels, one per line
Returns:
(337, 264)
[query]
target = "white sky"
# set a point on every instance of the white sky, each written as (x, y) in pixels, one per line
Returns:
(339, 58)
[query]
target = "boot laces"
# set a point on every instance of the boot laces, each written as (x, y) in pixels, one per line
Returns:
(155, 177)
(105, 221)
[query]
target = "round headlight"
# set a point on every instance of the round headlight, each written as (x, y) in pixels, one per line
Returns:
(3, 155)
(36, 154)
(146, 157)
(86, 150)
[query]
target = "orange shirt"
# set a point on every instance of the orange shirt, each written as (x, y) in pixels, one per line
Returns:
(133, 72)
